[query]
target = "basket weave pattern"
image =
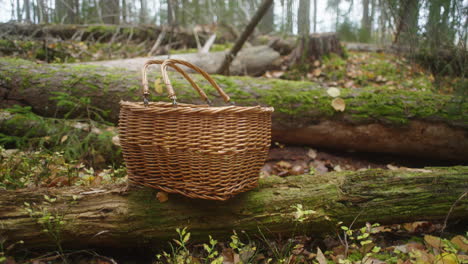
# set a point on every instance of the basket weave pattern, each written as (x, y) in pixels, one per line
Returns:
(194, 150)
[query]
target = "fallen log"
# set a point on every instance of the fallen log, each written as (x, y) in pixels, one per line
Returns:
(250, 61)
(412, 123)
(105, 32)
(110, 217)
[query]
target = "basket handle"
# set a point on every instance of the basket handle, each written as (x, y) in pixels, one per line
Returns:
(170, 89)
(177, 68)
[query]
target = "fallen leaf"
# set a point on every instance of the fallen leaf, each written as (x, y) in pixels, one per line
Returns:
(338, 104)
(158, 86)
(337, 168)
(433, 241)
(461, 242)
(422, 257)
(320, 257)
(63, 139)
(116, 140)
(391, 167)
(312, 153)
(316, 63)
(297, 170)
(333, 92)
(348, 84)
(162, 197)
(316, 72)
(446, 258)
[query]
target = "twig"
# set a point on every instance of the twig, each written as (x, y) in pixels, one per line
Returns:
(208, 44)
(158, 42)
(197, 39)
(450, 212)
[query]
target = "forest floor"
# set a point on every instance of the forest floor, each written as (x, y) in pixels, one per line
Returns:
(27, 166)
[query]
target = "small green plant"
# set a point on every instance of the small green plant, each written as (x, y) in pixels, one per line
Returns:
(358, 243)
(50, 219)
(213, 255)
(179, 253)
(300, 214)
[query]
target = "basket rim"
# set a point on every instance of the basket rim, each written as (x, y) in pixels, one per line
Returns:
(192, 108)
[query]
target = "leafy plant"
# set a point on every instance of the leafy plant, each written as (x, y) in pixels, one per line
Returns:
(77, 106)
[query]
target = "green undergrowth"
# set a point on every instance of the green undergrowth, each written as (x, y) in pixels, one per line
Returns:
(82, 140)
(373, 69)
(370, 243)
(41, 168)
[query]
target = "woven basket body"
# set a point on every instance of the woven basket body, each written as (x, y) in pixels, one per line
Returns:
(195, 150)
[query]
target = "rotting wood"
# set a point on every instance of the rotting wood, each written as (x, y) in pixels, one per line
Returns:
(110, 217)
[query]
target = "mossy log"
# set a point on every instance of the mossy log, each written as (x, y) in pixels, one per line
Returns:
(105, 33)
(110, 216)
(413, 123)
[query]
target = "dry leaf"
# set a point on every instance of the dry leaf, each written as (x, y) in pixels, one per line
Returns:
(391, 167)
(446, 258)
(63, 139)
(461, 242)
(162, 197)
(333, 92)
(158, 86)
(316, 72)
(116, 140)
(433, 241)
(320, 257)
(312, 153)
(338, 104)
(316, 63)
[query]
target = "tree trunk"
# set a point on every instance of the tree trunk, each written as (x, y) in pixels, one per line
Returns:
(110, 11)
(313, 47)
(407, 28)
(267, 24)
(124, 11)
(289, 16)
(111, 217)
(250, 61)
(303, 18)
(413, 123)
(315, 16)
(27, 10)
(366, 23)
(143, 12)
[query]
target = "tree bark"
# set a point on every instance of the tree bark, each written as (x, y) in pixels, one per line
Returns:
(413, 123)
(303, 18)
(313, 47)
(111, 217)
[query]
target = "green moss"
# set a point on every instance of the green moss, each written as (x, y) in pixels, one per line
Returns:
(101, 29)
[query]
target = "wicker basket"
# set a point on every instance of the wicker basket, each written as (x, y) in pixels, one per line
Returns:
(195, 150)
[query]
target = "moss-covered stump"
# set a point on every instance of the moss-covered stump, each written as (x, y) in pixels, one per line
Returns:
(413, 123)
(110, 216)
